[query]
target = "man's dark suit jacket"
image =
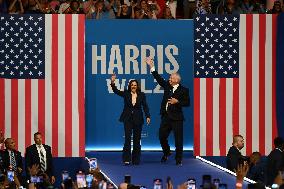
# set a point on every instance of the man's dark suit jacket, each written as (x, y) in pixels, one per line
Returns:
(234, 157)
(6, 159)
(32, 157)
(174, 111)
(275, 163)
(132, 111)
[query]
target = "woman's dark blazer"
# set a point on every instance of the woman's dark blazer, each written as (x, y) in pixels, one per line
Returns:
(132, 112)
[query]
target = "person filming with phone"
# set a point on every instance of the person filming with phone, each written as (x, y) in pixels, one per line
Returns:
(12, 159)
(132, 118)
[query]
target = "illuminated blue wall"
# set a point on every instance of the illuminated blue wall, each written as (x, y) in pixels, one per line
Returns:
(169, 42)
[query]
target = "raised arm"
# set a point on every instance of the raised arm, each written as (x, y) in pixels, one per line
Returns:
(12, 5)
(21, 7)
(39, 6)
(162, 82)
(114, 88)
(119, 8)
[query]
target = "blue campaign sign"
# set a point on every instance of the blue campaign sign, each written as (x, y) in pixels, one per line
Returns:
(121, 46)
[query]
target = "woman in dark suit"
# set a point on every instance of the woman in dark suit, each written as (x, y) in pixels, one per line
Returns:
(132, 117)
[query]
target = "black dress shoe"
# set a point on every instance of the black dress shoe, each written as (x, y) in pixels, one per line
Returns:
(165, 157)
(179, 162)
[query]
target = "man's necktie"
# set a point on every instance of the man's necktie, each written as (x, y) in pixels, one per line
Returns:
(13, 161)
(42, 161)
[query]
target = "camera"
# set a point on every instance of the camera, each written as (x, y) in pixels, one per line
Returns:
(222, 186)
(127, 179)
(81, 180)
(36, 179)
(89, 180)
(216, 182)
(191, 183)
(65, 175)
(158, 183)
(10, 175)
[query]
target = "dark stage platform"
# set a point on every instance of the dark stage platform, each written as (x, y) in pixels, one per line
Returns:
(151, 168)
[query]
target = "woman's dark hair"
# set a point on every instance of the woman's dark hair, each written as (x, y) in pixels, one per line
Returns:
(138, 86)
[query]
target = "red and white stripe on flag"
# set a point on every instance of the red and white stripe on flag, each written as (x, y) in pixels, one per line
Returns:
(53, 106)
(224, 107)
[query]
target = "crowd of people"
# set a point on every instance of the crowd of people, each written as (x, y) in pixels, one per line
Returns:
(139, 9)
(267, 171)
(38, 171)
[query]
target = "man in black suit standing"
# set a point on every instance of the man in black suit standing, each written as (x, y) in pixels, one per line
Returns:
(12, 159)
(275, 160)
(40, 154)
(234, 156)
(175, 98)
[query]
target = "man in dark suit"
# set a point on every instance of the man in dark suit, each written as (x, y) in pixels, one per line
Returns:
(175, 98)
(234, 156)
(275, 160)
(40, 154)
(12, 159)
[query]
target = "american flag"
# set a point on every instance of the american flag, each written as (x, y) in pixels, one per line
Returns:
(234, 83)
(42, 84)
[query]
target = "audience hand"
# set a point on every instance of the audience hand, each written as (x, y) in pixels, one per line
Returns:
(52, 180)
(19, 169)
(148, 120)
(170, 185)
(242, 172)
(278, 180)
(34, 169)
(17, 182)
(182, 186)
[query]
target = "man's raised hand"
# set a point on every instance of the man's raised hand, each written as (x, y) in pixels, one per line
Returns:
(150, 62)
(113, 77)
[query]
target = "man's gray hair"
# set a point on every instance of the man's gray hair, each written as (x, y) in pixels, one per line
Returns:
(178, 76)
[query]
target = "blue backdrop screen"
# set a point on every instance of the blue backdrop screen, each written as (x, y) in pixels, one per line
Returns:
(121, 47)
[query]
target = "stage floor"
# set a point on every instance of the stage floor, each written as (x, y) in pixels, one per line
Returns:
(151, 168)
